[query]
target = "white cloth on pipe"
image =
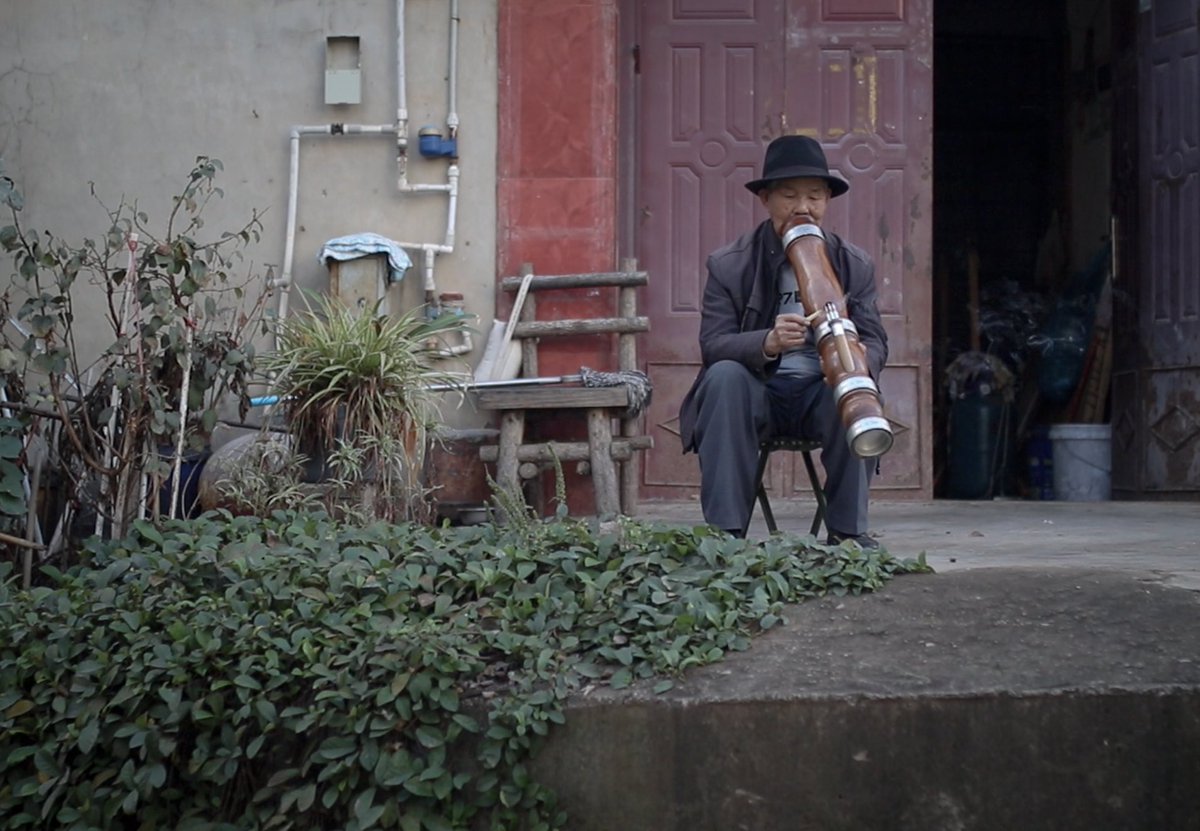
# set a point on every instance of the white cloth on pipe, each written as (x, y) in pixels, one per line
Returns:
(361, 245)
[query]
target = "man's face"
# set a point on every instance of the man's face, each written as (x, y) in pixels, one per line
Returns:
(795, 198)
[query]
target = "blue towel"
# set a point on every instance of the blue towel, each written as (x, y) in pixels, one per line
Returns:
(360, 245)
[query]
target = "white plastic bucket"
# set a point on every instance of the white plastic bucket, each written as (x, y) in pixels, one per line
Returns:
(1082, 462)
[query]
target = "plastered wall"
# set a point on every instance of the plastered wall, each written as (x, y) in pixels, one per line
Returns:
(126, 94)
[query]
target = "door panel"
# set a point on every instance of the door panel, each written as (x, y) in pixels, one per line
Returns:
(1128, 433)
(709, 71)
(870, 110)
(1156, 392)
(717, 81)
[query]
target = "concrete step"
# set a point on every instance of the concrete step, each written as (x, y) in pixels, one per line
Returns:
(1005, 698)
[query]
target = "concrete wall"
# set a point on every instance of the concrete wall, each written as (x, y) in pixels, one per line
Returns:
(126, 93)
(987, 763)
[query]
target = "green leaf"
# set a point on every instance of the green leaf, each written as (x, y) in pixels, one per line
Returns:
(337, 747)
(11, 446)
(393, 769)
(305, 796)
(247, 682)
(281, 776)
(466, 722)
(87, 736)
(20, 754)
(621, 679)
(147, 530)
(12, 505)
(19, 709)
(365, 811)
(399, 682)
(266, 710)
(430, 736)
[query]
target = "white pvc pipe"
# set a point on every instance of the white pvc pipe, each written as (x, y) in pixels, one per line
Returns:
(401, 95)
(462, 348)
(423, 188)
(284, 280)
(452, 113)
(452, 207)
(430, 285)
(364, 129)
(401, 103)
(400, 130)
(289, 246)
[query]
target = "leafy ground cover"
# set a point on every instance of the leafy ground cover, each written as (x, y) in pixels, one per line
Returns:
(293, 672)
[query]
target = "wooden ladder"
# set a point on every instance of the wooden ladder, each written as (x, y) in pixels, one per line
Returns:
(603, 451)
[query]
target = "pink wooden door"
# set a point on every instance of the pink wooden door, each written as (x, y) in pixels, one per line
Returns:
(716, 81)
(1156, 378)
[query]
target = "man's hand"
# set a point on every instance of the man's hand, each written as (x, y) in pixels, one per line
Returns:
(790, 332)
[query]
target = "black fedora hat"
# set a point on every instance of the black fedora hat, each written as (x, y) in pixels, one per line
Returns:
(796, 157)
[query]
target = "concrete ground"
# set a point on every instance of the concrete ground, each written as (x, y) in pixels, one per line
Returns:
(1160, 539)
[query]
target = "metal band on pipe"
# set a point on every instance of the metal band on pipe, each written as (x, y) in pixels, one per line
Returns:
(822, 330)
(852, 384)
(794, 233)
(871, 436)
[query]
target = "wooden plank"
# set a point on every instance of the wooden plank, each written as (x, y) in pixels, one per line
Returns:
(579, 281)
(604, 470)
(529, 354)
(627, 342)
(569, 451)
(631, 471)
(517, 314)
(595, 326)
(627, 308)
(552, 398)
(512, 432)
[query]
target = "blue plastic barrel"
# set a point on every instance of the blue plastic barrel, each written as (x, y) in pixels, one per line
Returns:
(975, 435)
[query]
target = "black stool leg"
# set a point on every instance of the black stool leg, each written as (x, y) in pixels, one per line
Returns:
(760, 493)
(818, 492)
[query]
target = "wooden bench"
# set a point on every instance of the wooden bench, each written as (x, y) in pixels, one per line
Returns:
(610, 456)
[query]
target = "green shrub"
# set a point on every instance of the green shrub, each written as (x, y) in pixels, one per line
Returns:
(170, 312)
(292, 672)
(13, 505)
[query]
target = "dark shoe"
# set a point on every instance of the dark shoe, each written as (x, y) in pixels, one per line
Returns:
(863, 541)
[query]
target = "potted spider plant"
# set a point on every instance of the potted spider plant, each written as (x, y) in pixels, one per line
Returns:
(360, 393)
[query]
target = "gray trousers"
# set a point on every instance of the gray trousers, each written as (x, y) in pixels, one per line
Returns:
(737, 411)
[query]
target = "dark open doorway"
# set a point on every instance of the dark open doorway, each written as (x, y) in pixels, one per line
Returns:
(1023, 96)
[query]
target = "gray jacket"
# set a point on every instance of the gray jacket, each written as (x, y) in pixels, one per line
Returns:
(741, 301)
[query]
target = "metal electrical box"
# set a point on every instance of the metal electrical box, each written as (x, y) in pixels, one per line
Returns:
(343, 70)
